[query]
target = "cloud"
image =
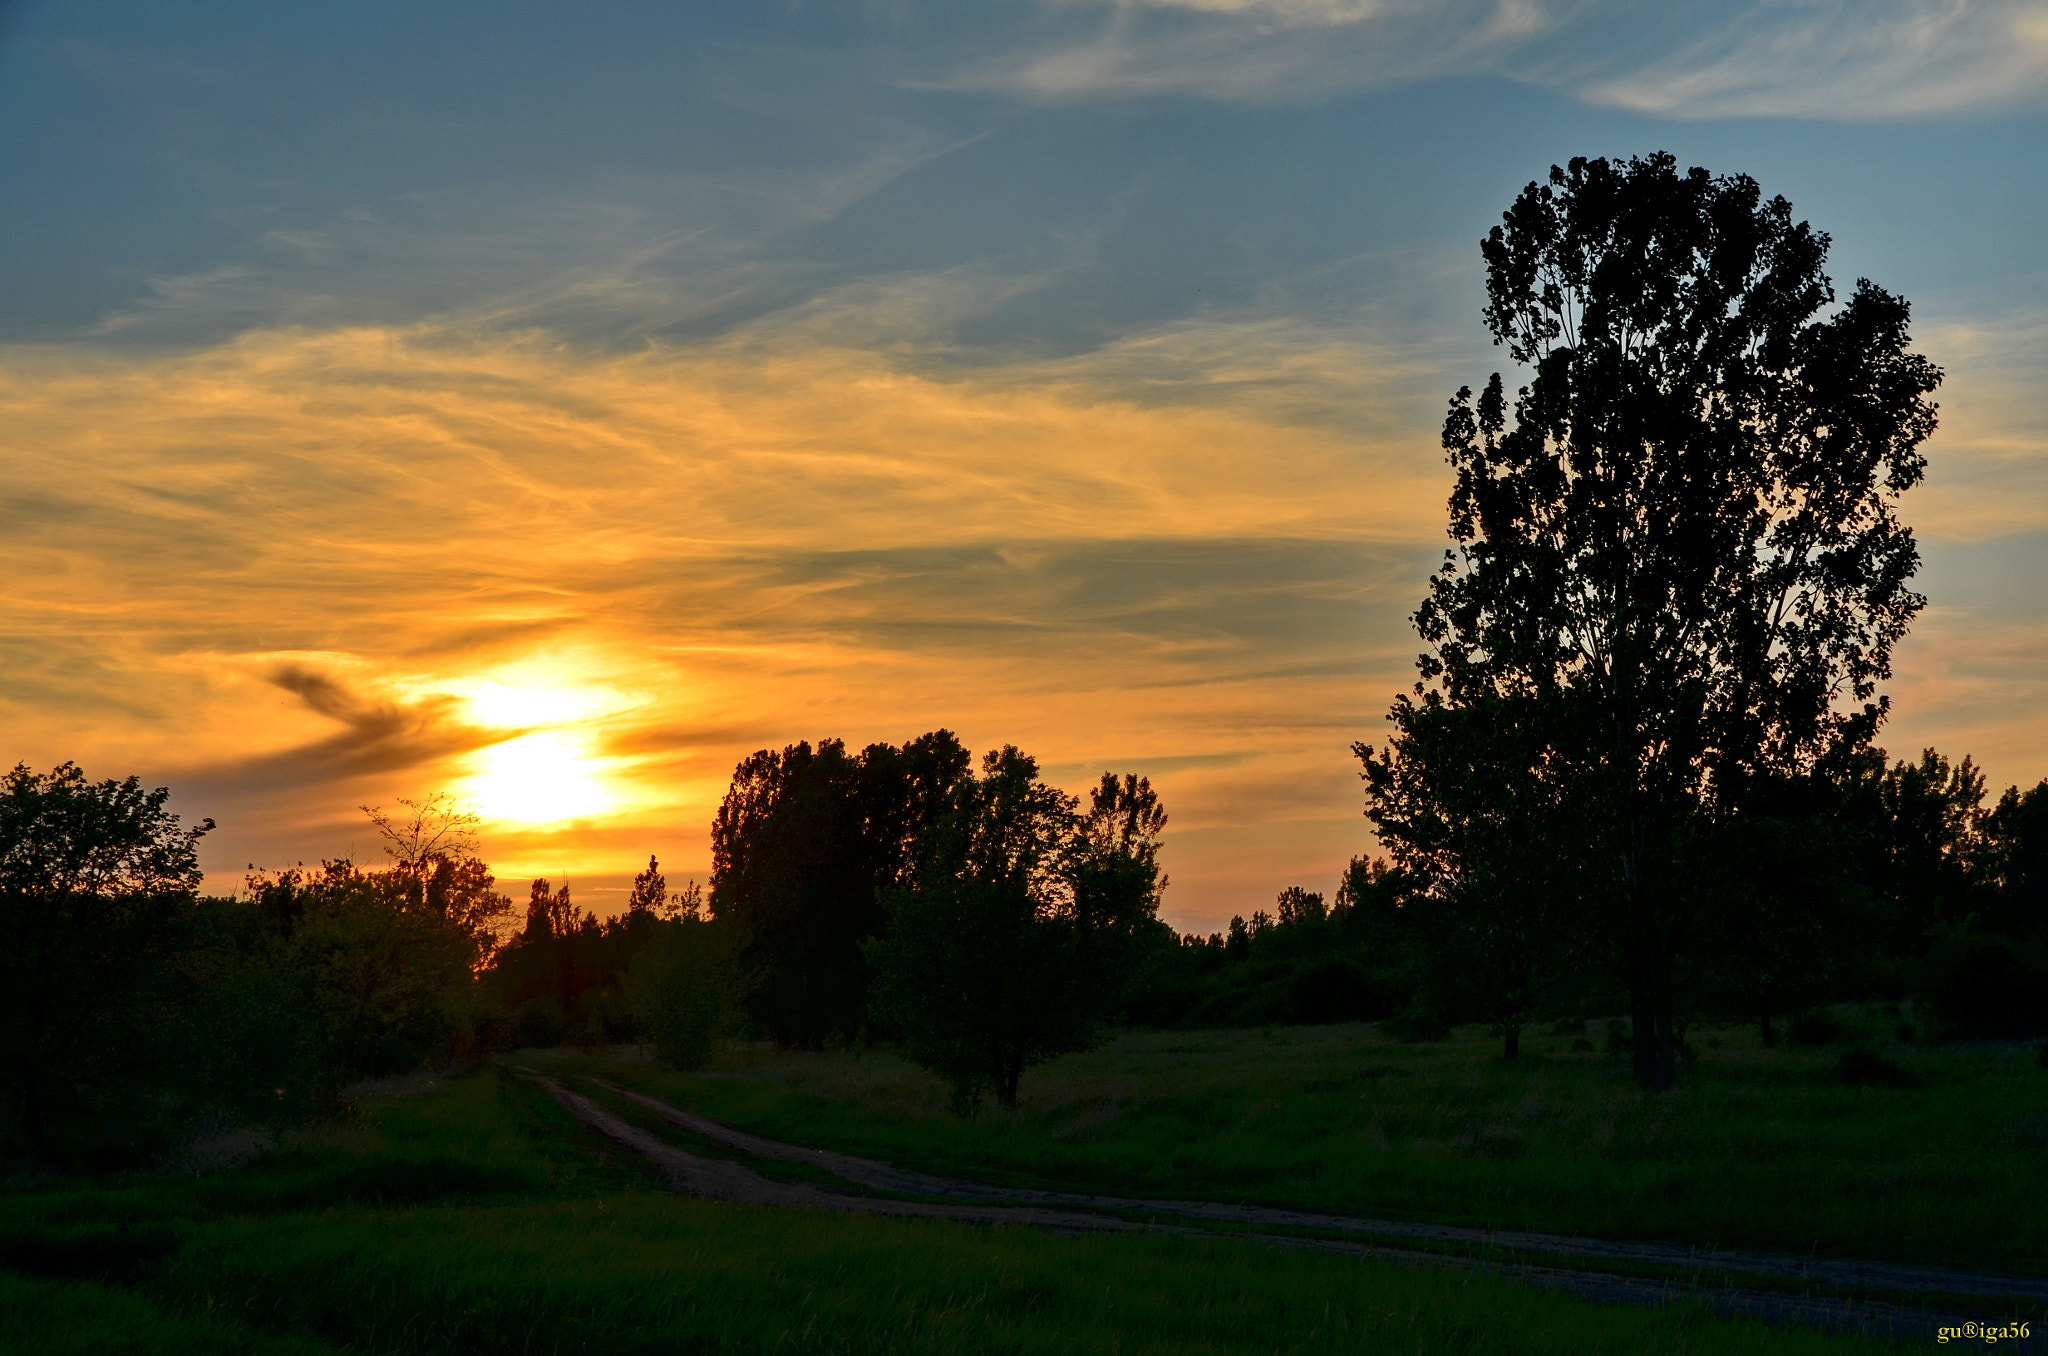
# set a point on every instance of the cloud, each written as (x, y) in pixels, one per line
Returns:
(278, 571)
(1987, 471)
(1261, 50)
(1834, 59)
(1775, 58)
(275, 571)
(379, 735)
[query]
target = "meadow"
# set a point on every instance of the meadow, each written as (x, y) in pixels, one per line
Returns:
(470, 1214)
(1872, 1148)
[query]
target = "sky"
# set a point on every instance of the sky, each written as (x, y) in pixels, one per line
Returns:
(548, 404)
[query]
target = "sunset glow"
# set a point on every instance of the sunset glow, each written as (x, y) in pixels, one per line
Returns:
(1061, 383)
(542, 780)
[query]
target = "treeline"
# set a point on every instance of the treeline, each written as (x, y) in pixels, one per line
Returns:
(1879, 882)
(973, 917)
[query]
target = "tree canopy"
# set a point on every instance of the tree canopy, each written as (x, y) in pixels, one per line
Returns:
(1677, 559)
(1018, 922)
(96, 879)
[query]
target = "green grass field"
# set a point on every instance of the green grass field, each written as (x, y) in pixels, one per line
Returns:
(1755, 1148)
(474, 1216)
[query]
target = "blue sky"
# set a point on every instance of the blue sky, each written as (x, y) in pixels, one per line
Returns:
(1066, 373)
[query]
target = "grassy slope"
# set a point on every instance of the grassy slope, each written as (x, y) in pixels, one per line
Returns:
(1755, 1148)
(475, 1217)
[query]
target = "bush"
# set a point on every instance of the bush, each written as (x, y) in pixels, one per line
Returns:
(1421, 1024)
(1818, 1026)
(678, 995)
(1982, 987)
(1620, 1040)
(1331, 991)
(1861, 1068)
(539, 1023)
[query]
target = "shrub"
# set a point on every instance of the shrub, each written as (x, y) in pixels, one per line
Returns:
(1620, 1040)
(1818, 1026)
(1983, 987)
(1331, 991)
(677, 994)
(1420, 1024)
(1861, 1068)
(539, 1023)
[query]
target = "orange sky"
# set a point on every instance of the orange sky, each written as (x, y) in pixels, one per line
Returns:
(553, 408)
(304, 570)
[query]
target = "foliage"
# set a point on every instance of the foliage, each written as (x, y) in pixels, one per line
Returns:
(1464, 802)
(434, 864)
(566, 976)
(806, 843)
(1679, 564)
(97, 882)
(679, 990)
(376, 973)
(1020, 916)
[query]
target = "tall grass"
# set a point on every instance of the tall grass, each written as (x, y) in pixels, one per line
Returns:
(644, 1274)
(1754, 1148)
(475, 1217)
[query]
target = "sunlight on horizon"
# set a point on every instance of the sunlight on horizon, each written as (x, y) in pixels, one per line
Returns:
(539, 780)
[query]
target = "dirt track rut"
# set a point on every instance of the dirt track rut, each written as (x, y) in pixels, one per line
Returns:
(1703, 1272)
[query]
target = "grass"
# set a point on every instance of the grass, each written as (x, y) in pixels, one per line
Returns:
(1777, 1149)
(474, 1216)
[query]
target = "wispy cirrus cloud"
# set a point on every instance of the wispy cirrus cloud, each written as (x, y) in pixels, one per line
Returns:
(277, 572)
(1834, 59)
(1778, 58)
(1258, 50)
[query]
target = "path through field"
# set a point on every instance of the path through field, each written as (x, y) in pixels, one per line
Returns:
(1827, 1293)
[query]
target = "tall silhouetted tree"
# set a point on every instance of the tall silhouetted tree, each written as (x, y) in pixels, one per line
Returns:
(2014, 855)
(96, 882)
(1681, 544)
(805, 842)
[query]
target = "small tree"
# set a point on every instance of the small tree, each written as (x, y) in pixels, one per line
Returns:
(433, 846)
(1008, 944)
(96, 884)
(1462, 802)
(1683, 546)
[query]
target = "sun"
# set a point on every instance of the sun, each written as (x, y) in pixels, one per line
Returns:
(504, 706)
(547, 771)
(541, 778)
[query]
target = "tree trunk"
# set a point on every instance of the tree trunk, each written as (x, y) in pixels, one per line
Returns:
(1511, 1040)
(1770, 1033)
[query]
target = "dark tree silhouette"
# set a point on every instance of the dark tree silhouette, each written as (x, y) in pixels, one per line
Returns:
(650, 890)
(433, 849)
(805, 843)
(1683, 544)
(1018, 922)
(1462, 803)
(95, 881)
(2015, 856)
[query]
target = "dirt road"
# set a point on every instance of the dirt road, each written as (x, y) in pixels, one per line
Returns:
(1827, 1293)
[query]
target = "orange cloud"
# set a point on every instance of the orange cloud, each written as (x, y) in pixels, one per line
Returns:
(311, 569)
